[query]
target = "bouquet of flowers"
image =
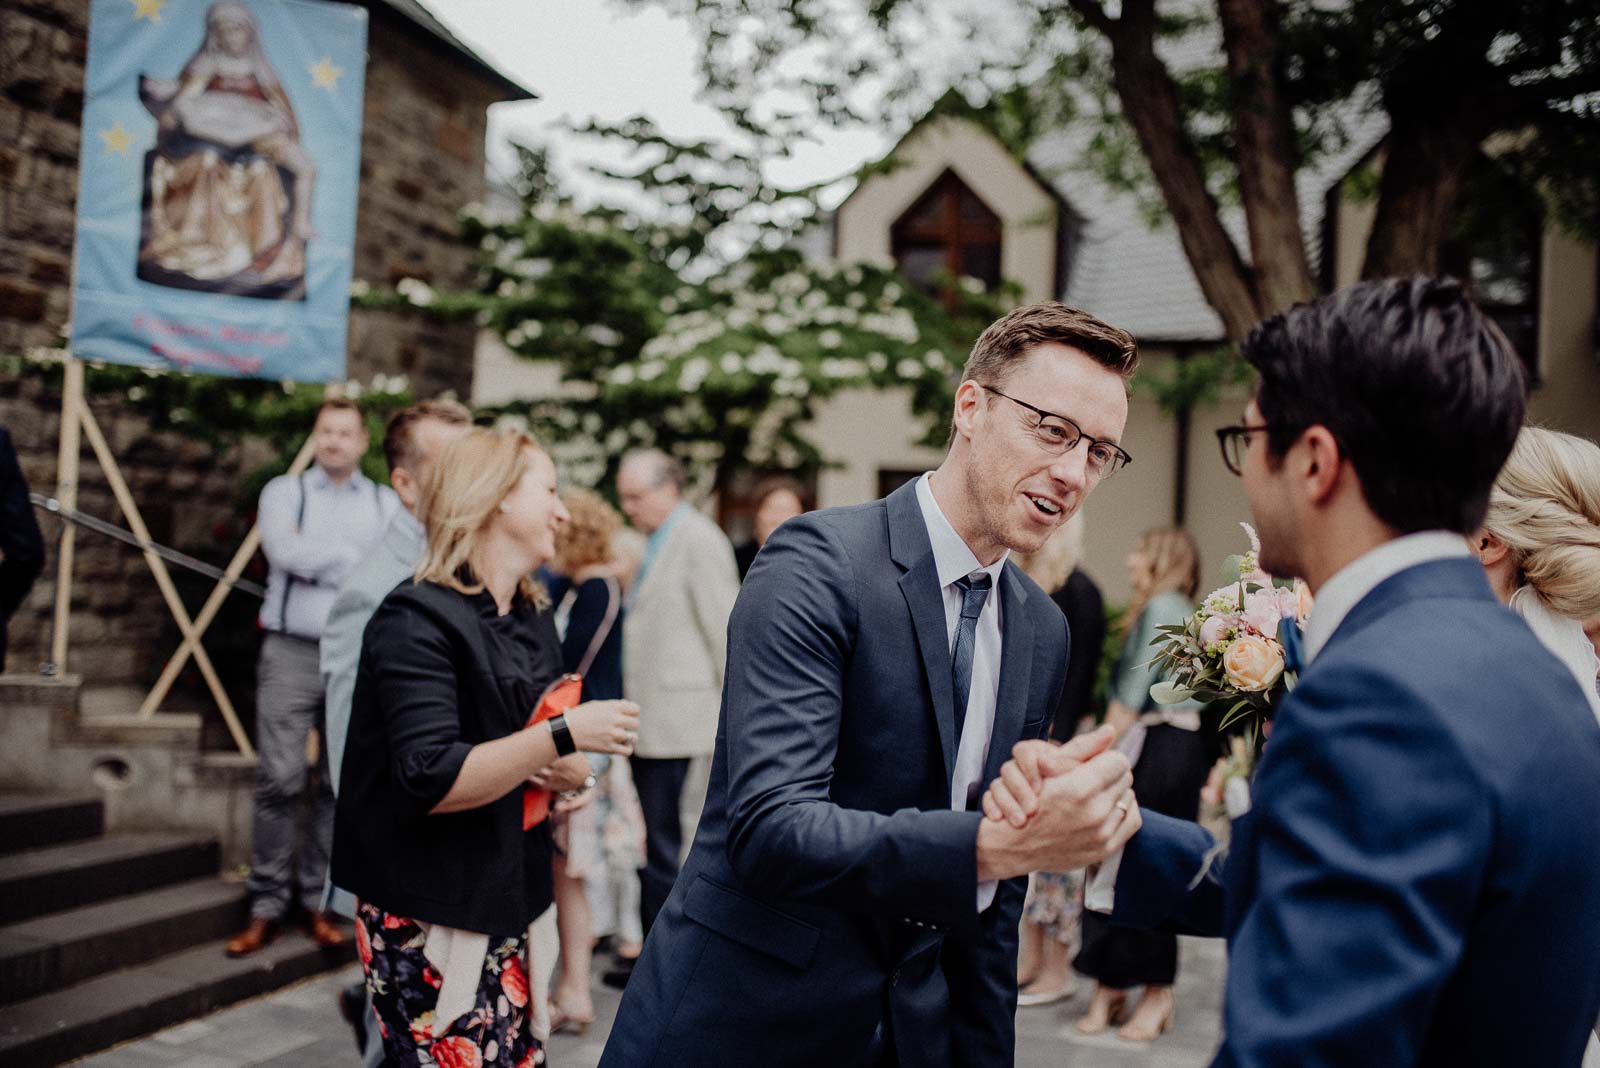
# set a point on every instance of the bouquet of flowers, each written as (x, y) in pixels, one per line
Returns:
(1228, 650)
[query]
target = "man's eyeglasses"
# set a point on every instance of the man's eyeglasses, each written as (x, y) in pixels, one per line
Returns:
(1058, 435)
(1235, 442)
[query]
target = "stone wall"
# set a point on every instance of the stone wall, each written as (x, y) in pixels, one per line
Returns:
(422, 160)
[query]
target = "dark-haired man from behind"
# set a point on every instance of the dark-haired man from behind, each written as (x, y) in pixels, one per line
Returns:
(1416, 883)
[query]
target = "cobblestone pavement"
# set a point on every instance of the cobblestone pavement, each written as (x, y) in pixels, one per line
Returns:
(301, 1027)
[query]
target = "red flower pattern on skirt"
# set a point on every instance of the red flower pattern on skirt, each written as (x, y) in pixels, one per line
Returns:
(456, 1053)
(405, 991)
(515, 983)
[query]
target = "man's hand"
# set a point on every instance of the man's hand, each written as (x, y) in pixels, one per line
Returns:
(568, 773)
(1082, 816)
(1014, 794)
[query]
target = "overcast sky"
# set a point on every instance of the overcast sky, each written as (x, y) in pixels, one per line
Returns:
(599, 59)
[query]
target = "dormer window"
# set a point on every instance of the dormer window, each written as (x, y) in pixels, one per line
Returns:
(947, 234)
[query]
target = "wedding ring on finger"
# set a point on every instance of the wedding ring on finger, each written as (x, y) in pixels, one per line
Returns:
(631, 737)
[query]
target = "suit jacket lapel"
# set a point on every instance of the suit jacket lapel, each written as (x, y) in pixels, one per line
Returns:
(1016, 666)
(909, 547)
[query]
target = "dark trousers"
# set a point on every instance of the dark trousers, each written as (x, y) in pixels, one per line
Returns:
(659, 783)
(288, 706)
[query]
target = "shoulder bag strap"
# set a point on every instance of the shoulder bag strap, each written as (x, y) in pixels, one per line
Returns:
(603, 631)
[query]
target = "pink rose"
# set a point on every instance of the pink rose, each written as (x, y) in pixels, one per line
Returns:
(1214, 629)
(1253, 664)
(1262, 611)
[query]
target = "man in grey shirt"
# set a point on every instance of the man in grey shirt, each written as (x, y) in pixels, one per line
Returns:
(315, 528)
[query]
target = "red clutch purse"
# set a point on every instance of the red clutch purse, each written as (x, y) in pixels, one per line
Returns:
(559, 697)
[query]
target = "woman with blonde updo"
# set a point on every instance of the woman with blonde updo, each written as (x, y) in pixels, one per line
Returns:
(431, 833)
(1540, 545)
(1169, 767)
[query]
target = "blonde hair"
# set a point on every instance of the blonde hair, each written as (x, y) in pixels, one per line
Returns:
(586, 537)
(1173, 564)
(1545, 506)
(1053, 562)
(463, 488)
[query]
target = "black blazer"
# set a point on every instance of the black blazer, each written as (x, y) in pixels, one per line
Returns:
(830, 900)
(426, 692)
(1080, 601)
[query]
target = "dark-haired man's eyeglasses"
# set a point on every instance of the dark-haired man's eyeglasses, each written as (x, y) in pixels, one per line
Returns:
(1235, 442)
(1058, 435)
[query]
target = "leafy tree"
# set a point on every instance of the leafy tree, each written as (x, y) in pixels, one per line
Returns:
(701, 330)
(1207, 105)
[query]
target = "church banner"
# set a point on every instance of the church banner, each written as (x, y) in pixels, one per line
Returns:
(217, 189)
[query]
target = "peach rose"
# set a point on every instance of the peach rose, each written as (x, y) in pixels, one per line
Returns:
(1253, 664)
(1303, 601)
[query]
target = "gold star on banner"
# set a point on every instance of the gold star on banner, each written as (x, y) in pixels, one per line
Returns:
(117, 140)
(324, 75)
(147, 9)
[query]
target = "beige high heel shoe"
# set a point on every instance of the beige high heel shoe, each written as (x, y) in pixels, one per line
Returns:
(1116, 1006)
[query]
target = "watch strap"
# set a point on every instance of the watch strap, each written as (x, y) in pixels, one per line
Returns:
(562, 736)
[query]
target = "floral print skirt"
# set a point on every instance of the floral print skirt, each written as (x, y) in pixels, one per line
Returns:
(1054, 904)
(494, 1033)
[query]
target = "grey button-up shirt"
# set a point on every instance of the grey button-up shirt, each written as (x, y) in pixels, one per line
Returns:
(313, 532)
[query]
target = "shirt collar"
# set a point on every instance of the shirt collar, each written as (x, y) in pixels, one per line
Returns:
(1361, 576)
(659, 535)
(951, 556)
(318, 479)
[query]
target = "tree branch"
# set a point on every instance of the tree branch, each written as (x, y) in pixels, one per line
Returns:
(1151, 105)
(1266, 157)
(1091, 12)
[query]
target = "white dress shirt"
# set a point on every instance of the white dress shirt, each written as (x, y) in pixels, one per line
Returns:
(1333, 603)
(953, 560)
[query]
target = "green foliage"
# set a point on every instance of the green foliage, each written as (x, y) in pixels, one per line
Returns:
(224, 412)
(1194, 380)
(684, 331)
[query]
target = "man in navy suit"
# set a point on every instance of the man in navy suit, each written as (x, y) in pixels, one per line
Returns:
(1417, 883)
(844, 903)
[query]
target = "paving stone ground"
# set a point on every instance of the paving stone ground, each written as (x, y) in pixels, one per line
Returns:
(300, 1026)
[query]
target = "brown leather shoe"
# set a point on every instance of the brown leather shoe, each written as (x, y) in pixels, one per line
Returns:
(261, 932)
(323, 931)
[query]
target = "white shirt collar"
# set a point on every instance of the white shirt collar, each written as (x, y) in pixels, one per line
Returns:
(1361, 576)
(951, 556)
(318, 479)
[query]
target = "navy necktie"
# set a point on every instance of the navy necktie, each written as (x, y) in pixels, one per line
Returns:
(1294, 657)
(974, 591)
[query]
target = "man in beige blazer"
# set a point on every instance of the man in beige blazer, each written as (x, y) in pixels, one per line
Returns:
(674, 648)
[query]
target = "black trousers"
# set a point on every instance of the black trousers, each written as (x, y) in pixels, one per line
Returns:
(659, 783)
(1167, 779)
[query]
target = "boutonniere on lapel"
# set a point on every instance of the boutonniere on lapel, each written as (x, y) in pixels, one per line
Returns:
(1240, 646)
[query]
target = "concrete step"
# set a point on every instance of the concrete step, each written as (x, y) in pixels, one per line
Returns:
(120, 1005)
(35, 821)
(51, 952)
(43, 881)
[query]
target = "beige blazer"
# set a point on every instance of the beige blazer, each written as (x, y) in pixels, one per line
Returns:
(675, 639)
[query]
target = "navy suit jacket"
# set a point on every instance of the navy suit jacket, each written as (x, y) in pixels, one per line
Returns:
(1418, 882)
(830, 900)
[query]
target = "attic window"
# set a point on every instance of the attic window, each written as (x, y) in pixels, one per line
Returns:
(947, 234)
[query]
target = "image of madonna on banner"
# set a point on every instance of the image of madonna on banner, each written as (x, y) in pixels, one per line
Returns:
(217, 186)
(228, 185)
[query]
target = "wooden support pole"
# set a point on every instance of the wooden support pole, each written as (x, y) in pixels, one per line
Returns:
(67, 494)
(158, 567)
(208, 612)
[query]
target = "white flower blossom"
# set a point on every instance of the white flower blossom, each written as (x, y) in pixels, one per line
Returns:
(731, 363)
(878, 362)
(650, 370)
(623, 375)
(852, 275)
(359, 287)
(669, 304)
(602, 335)
(908, 368)
(934, 359)
(830, 339)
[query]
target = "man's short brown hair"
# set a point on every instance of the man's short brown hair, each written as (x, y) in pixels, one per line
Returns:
(1010, 337)
(399, 436)
(339, 404)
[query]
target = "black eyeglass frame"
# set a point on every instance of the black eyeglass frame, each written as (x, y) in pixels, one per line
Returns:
(1227, 434)
(1073, 444)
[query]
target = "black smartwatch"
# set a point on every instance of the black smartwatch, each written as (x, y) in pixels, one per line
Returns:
(559, 734)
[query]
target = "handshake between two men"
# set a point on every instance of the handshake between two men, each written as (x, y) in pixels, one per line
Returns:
(1057, 808)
